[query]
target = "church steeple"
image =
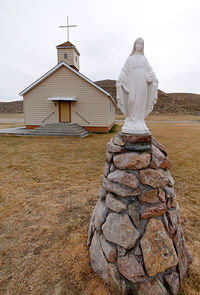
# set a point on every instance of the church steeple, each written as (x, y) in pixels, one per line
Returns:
(67, 52)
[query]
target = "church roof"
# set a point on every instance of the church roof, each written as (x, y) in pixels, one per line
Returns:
(67, 45)
(62, 63)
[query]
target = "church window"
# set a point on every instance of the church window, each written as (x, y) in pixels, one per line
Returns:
(76, 58)
(65, 55)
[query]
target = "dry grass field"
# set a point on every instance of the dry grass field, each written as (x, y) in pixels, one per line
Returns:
(48, 189)
(166, 117)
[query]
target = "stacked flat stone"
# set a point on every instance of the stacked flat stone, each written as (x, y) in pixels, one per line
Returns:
(135, 237)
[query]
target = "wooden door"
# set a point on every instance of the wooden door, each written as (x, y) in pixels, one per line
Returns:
(65, 111)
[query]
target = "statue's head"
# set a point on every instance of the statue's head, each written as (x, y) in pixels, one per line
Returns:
(138, 46)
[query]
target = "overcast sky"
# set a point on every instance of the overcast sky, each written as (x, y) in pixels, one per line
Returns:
(105, 33)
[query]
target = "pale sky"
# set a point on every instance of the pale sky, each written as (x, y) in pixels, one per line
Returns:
(105, 33)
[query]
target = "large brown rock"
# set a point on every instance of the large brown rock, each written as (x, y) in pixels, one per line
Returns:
(115, 204)
(118, 189)
(131, 269)
(136, 138)
(155, 178)
(132, 160)
(152, 211)
(166, 164)
(97, 258)
(119, 229)
(128, 179)
(157, 248)
(150, 197)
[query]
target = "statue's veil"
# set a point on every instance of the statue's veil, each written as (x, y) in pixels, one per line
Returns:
(142, 51)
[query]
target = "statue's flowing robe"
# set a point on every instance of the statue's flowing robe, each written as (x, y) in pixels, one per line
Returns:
(137, 88)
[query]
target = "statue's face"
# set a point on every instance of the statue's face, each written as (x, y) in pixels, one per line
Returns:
(138, 46)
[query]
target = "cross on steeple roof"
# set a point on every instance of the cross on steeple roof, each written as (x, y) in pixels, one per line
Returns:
(68, 26)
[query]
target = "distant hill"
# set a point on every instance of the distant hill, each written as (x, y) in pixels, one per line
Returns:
(184, 103)
(11, 107)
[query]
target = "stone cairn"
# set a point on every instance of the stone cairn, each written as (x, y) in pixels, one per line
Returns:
(135, 237)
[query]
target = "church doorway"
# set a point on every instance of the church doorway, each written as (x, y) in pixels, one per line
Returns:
(64, 111)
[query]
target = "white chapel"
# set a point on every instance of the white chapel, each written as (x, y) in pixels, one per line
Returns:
(63, 94)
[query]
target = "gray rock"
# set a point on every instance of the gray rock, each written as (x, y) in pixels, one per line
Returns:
(139, 147)
(173, 217)
(184, 257)
(133, 210)
(173, 282)
(109, 156)
(112, 167)
(100, 213)
(131, 268)
(119, 229)
(157, 158)
(113, 148)
(97, 258)
(114, 204)
(153, 287)
(137, 251)
(118, 189)
(106, 169)
(102, 193)
(91, 229)
(118, 141)
(121, 251)
(169, 191)
(116, 280)
(160, 146)
(171, 179)
(108, 249)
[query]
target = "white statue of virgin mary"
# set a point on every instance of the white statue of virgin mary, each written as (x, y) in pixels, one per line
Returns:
(137, 88)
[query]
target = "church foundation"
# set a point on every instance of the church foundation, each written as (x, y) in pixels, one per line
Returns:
(135, 236)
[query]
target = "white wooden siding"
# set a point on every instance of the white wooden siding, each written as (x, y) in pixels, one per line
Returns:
(92, 104)
(71, 56)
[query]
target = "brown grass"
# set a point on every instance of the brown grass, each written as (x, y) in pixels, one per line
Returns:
(47, 192)
(167, 117)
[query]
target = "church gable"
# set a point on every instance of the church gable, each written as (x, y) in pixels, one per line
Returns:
(72, 73)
